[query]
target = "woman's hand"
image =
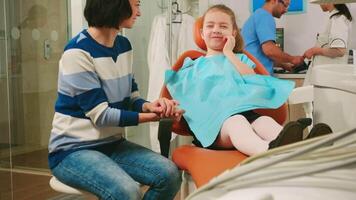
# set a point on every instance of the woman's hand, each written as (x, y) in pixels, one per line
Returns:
(312, 52)
(229, 44)
(148, 117)
(162, 106)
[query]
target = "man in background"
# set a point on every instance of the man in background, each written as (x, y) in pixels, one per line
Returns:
(259, 33)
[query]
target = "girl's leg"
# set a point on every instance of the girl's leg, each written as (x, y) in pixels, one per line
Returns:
(267, 128)
(149, 168)
(237, 131)
(98, 174)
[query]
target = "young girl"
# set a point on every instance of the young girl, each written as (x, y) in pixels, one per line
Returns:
(97, 98)
(220, 91)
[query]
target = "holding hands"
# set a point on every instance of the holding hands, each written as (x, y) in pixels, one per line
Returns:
(161, 108)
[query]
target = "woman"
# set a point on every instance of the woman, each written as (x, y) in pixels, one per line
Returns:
(331, 46)
(97, 98)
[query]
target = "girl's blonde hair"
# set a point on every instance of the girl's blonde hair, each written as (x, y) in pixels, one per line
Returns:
(239, 43)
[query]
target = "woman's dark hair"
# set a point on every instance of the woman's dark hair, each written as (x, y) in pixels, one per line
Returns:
(343, 10)
(107, 13)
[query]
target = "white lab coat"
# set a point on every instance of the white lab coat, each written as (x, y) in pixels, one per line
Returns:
(159, 59)
(336, 35)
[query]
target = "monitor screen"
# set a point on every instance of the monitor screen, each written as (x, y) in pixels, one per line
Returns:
(295, 7)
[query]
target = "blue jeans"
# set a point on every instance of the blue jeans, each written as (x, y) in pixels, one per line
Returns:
(113, 175)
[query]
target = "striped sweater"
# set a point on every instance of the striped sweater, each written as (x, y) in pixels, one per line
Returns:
(97, 96)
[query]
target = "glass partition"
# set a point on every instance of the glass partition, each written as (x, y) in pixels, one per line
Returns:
(32, 37)
(37, 34)
(5, 154)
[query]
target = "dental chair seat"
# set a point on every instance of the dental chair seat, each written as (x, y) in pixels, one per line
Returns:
(205, 164)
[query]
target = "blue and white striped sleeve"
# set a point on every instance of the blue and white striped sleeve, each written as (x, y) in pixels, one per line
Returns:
(81, 86)
(135, 99)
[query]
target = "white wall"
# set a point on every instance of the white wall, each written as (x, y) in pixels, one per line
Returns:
(299, 29)
(77, 19)
(139, 37)
(353, 31)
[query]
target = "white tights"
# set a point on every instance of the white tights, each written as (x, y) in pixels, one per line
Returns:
(249, 138)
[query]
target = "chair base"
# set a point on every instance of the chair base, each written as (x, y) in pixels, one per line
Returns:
(63, 188)
(187, 186)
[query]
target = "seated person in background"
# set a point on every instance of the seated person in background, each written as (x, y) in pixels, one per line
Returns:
(220, 91)
(259, 34)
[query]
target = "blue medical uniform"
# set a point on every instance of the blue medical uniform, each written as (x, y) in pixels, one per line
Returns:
(259, 28)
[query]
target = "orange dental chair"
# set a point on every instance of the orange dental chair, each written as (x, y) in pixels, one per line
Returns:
(205, 164)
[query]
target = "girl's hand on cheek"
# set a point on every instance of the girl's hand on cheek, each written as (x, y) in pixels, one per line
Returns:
(229, 44)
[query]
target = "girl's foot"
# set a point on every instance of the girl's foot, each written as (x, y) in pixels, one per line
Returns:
(319, 129)
(292, 132)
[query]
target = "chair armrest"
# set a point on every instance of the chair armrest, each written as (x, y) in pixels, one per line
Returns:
(303, 94)
(165, 135)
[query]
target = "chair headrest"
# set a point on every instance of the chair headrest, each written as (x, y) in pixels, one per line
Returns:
(197, 34)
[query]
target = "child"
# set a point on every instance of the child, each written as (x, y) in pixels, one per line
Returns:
(97, 98)
(220, 91)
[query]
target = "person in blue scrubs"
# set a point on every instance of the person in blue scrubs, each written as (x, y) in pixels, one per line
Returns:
(259, 34)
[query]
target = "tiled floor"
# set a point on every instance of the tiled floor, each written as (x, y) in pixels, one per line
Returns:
(25, 187)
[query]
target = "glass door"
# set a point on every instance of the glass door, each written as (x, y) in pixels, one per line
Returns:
(37, 32)
(33, 34)
(5, 158)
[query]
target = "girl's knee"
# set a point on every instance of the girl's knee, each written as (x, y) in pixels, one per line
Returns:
(265, 119)
(237, 118)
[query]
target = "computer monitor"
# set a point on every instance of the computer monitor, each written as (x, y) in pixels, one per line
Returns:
(280, 38)
(295, 7)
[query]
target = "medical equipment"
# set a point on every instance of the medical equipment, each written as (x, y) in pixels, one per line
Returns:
(319, 168)
(352, 57)
(335, 95)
